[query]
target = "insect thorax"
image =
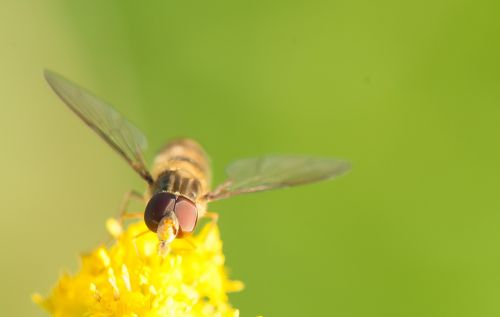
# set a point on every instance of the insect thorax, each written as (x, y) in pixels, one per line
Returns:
(178, 182)
(182, 168)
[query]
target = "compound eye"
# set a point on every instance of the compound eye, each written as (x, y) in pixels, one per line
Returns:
(160, 205)
(187, 214)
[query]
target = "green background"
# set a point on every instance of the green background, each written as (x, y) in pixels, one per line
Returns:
(407, 91)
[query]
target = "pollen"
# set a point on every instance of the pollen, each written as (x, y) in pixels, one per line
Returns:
(130, 278)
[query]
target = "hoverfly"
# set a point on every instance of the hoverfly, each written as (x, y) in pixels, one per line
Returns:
(178, 185)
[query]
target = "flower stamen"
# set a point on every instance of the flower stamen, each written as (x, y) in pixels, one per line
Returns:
(112, 282)
(115, 281)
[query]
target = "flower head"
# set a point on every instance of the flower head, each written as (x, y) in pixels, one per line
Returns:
(131, 278)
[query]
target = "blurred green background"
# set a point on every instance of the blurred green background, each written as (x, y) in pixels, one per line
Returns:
(407, 91)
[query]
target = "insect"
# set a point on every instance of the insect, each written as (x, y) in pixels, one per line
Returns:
(178, 185)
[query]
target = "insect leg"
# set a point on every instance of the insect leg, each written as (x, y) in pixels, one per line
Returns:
(132, 215)
(212, 216)
(123, 214)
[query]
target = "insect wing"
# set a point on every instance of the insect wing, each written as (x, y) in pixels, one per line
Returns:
(269, 172)
(110, 125)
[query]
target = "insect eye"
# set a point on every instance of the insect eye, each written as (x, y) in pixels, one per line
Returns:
(160, 205)
(187, 214)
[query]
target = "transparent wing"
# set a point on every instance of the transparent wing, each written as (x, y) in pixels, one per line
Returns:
(269, 172)
(120, 134)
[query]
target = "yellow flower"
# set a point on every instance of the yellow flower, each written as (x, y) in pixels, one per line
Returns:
(130, 278)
